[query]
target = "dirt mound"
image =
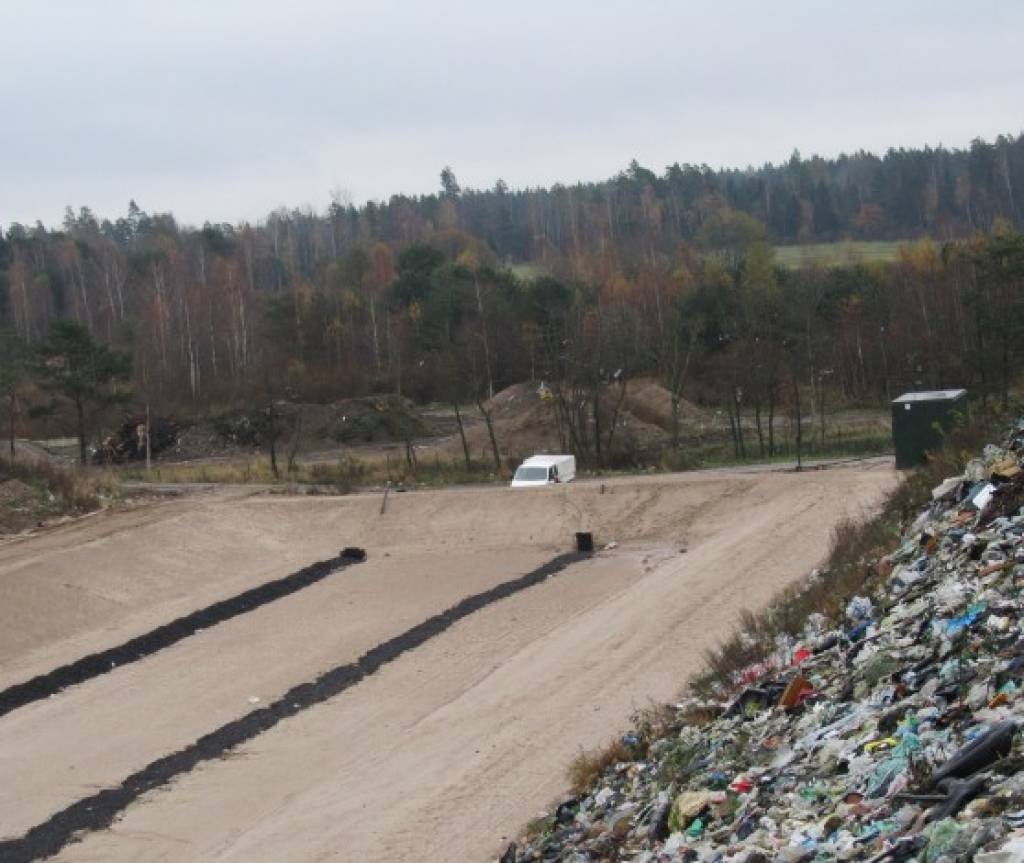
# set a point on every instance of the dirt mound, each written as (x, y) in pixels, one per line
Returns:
(200, 441)
(646, 399)
(14, 493)
(514, 401)
(525, 423)
(373, 419)
(650, 401)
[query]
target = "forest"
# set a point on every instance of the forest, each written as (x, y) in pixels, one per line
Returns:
(452, 296)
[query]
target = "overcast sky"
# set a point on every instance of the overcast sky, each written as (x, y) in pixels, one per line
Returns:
(221, 110)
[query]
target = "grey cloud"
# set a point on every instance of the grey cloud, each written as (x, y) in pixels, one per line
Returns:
(225, 110)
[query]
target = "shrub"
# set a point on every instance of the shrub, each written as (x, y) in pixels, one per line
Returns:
(587, 767)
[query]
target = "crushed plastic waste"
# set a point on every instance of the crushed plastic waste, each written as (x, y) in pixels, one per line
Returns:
(890, 733)
(1011, 852)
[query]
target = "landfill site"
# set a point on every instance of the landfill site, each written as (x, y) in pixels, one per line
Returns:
(237, 676)
(886, 732)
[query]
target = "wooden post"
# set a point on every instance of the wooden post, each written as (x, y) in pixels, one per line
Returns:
(384, 503)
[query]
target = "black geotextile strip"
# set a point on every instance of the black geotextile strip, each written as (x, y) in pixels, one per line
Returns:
(149, 643)
(99, 811)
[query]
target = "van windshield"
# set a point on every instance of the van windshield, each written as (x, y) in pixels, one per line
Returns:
(532, 474)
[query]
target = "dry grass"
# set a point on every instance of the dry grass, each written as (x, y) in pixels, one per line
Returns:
(699, 716)
(343, 476)
(587, 767)
(58, 491)
(649, 724)
(652, 723)
(254, 470)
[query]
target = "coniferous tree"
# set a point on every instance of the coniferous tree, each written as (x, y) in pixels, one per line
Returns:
(72, 366)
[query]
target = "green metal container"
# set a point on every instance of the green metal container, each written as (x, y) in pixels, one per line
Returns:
(919, 421)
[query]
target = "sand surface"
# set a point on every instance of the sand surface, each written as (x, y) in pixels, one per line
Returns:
(444, 753)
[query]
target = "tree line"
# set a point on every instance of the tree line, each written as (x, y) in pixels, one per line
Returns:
(321, 306)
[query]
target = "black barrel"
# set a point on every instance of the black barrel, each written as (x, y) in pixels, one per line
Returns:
(584, 542)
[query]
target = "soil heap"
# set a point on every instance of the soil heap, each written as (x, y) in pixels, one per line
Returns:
(526, 422)
(347, 422)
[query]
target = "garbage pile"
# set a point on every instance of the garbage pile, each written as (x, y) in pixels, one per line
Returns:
(891, 734)
(128, 443)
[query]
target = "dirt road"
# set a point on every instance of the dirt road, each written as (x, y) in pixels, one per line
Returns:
(441, 753)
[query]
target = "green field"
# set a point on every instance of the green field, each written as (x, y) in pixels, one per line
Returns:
(826, 255)
(836, 254)
(528, 272)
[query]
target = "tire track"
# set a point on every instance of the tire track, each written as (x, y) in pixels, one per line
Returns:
(95, 664)
(99, 810)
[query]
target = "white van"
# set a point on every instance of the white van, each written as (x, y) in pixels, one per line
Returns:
(540, 470)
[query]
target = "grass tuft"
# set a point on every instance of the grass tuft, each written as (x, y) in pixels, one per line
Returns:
(587, 767)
